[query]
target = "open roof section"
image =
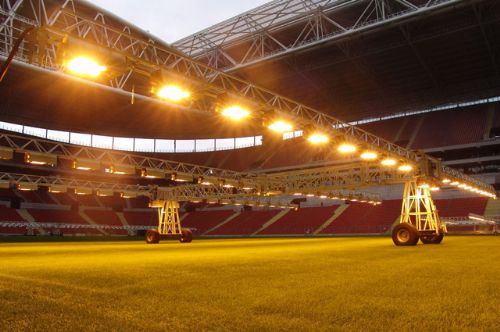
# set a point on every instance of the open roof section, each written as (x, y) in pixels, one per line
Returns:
(357, 59)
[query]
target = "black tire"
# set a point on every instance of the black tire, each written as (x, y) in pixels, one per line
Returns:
(405, 234)
(152, 236)
(186, 236)
(432, 239)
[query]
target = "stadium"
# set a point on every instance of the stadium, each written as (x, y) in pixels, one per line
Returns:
(304, 165)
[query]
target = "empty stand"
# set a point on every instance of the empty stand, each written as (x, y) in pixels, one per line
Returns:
(201, 221)
(247, 223)
(302, 221)
(113, 201)
(461, 207)
(106, 218)
(364, 218)
(141, 218)
(8, 214)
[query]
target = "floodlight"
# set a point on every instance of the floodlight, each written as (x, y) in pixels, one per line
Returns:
(246, 186)
(346, 148)
(55, 189)
(388, 162)
(369, 155)
(86, 164)
(181, 177)
(207, 180)
(434, 188)
(84, 66)
(121, 170)
(455, 183)
(4, 184)
(83, 191)
(105, 192)
(280, 126)
(128, 194)
(235, 112)
(26, 186)
(405, 168)
(153, 173)
(318, 138)
(173, 93)
(446, 180)
(424, 186)
(37, 158)
(6, 153)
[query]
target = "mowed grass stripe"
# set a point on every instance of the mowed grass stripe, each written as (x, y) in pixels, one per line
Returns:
(250, 284)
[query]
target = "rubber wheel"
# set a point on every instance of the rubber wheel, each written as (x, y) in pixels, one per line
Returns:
(405, 235)
(186, 236)
(432, 239)
(152, 236)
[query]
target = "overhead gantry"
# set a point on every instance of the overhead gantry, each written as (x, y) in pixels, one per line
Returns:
(125, 58)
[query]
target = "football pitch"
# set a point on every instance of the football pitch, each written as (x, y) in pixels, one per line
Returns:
(293, 284)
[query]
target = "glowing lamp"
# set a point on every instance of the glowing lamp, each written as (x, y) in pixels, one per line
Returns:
(83, 191)
(57, 189)
(235, 112)
(173, 93)
(152, 173)
(128, 194)
(227, 183)
(121, 170)
(212, 201)
(424, 186)
(181, 177)
(280, 126)
(86, 67)
(446, 181)
(318, 138)
(36, 158)
(434, 188)
(105, 193)
(25, 186)
(246, 186)
(346, 148)
(388, 162)
(369, 155)
(405, 168)
(455, 183)
(207, 180)
(86, 164)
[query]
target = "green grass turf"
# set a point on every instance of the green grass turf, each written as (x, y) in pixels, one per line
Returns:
(251, 284)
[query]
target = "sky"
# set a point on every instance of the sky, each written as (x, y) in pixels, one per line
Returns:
(171, 20)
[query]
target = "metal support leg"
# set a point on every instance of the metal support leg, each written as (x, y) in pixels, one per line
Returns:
(419, 217)
(169, 222)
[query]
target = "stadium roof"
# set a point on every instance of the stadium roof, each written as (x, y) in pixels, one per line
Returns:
(356, 59)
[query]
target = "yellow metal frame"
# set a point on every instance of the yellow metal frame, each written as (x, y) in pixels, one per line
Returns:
(169, 222)
(419, 210)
